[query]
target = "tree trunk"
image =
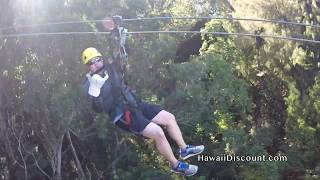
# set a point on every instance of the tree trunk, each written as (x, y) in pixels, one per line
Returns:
(57, 175)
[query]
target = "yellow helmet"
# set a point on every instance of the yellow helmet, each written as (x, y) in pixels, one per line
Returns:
(90, 53)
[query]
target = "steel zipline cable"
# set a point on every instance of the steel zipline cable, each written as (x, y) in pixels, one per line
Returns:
(228, 34)
(49, 34)
(164, 18)
(164, 32)
(168, 32)
(225, 18)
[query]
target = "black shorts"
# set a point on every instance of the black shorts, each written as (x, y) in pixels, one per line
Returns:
(140, 117)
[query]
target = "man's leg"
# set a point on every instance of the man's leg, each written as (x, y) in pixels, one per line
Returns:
(155, 132)
(168, 120)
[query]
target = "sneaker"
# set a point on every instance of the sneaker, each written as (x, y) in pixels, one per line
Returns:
(190, 151)
(185, 168)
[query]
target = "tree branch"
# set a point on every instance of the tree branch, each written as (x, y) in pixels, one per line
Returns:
(75, 156)
(41, 170)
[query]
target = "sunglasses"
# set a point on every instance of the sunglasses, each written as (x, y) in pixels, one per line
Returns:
(95, 60)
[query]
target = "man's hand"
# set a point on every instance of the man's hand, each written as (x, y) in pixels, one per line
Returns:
(96, 82)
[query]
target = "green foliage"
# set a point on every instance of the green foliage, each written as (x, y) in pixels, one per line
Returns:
(260, 169)
(210, 81)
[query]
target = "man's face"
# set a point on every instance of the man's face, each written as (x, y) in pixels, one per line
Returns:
(95, 64)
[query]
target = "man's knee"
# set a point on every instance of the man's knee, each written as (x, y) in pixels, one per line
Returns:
(170, 118)
(159, 133)
(164, 118)
(153, 131)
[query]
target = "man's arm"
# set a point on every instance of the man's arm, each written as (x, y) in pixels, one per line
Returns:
(119, 62)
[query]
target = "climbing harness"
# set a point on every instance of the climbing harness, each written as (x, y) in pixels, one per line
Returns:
(120, 34)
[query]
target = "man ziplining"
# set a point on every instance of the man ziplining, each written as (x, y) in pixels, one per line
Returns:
(108, 93)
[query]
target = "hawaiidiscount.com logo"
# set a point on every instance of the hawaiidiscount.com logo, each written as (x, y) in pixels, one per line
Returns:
(237, 158)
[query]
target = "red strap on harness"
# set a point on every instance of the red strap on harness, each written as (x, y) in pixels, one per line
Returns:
(127, 117)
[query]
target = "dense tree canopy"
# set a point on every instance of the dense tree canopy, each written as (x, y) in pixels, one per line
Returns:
(236, 95)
